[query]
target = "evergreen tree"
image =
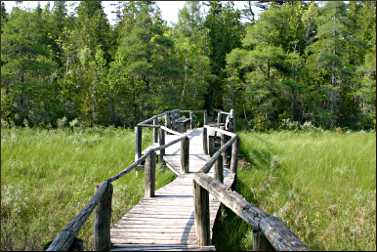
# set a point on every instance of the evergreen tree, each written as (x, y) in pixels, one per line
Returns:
(90, 36)
(224, 34)
(191, 47)
(27, 76)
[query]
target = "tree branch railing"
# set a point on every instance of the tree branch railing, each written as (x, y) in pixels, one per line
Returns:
(269, 233)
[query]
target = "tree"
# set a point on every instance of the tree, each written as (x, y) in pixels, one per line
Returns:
(224, 34)
(27, 76)
(144, 68)
(89, 38)
(191, 49)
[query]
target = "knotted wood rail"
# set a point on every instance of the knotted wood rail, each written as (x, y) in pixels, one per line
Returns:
(269, 233)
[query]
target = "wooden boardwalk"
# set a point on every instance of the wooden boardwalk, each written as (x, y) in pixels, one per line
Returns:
(166, 221)
(181, 215)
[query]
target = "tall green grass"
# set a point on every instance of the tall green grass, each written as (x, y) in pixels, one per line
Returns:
(321, 184)
(47, 176)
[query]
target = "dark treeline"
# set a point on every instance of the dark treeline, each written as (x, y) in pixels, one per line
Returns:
(299, 62)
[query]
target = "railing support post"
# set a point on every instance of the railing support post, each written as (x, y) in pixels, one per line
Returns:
(205, 141)
(260, 243)
(222, 141)
(219, 169)
(233, 121)
(205, 118)
(234, 159)
(150, 175)
(191, 122)
(202, 223)
(155, 130)
(162, 142)
(185, 152)
(138, 141)
(102, 221)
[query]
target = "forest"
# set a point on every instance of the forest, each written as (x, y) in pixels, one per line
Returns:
(299, 63)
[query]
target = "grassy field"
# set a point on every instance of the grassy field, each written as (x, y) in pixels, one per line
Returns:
(321, 184)
(47, 176)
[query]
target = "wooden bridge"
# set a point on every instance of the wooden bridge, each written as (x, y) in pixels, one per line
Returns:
(181, 215)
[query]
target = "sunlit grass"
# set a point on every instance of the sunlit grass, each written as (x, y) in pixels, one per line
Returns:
(47, 176)
(321, 184)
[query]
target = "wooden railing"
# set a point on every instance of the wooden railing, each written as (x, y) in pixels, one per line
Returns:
(269, 233)
(102, 199)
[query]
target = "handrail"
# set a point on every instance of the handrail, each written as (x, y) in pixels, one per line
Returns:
(171, 131)
(64, 239)
(143, 157)
(146, 121)
(207, 166)
(102, 198)
(277, 234)
(228, 133)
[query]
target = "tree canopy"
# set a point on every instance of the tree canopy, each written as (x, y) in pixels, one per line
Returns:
(298, 62)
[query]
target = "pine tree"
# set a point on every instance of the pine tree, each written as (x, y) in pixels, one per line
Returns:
(224, 34)
(27, 76)
(91, 33)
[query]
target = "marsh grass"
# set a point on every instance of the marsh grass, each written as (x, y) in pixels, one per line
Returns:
(47, 176)
(322, 185)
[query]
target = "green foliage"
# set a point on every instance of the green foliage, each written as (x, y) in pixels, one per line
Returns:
(28, 73)
(321, 184)
(306, 63)
(45, 186)
(298, 61)
(224, 34)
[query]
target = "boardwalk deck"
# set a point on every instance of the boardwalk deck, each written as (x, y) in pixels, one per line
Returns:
(166, 221)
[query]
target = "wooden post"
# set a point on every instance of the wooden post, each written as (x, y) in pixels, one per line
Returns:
(222, 142)
(205, 141)
(219, 169)
(191, 122)
(202, 223)
(162, 142)
(155, 131)
(218, 117)
(234, 159)
(205, 118)
(233, 121)
(260, 243)
(166, 120)
(185, 152)
(102, 221)
(149, 175)
(138, 141)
